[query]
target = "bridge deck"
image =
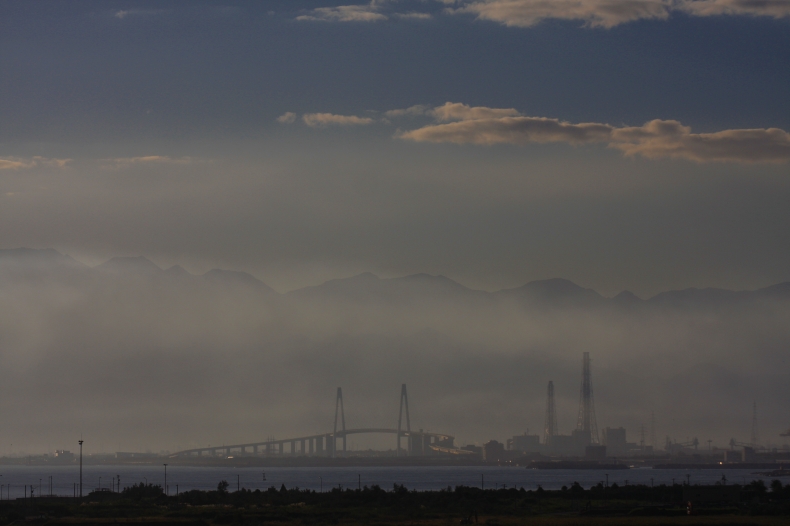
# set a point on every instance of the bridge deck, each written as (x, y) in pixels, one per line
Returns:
(339, 434)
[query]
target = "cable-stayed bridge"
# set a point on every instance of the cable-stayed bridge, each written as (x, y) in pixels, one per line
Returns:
(418, 443)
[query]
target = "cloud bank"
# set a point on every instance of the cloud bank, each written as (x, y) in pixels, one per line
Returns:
(610, 13)
(654, 140)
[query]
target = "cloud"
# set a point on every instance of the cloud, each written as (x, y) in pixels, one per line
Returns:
(594, 13)
(414, 16)
(320, 120)
(455, 111)
(8, 164)
(656, 139)
(374, 11)
(16, 163)
(346, 13)
(610, 13)
(126, 162)
(771, 8)
(510, 130)
(123, 13)
(287, 118)
(670, 139)
(411, 111)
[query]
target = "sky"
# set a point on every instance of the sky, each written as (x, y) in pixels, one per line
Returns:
(626, 144)
(639, 145)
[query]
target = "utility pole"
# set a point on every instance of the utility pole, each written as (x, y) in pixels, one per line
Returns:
(755, 433)
(80, 468)
(165, 479)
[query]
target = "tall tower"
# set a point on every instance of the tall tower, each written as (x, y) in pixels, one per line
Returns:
(586, 421)
(404, 400)
(550, 427)
(339, 405)
(755, 433)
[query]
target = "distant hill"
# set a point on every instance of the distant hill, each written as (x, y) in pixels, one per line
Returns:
(135, 265)
(367, 288)
(554, 292)
(233, 278)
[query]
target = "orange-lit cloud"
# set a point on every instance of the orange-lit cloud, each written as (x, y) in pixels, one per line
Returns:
(345, 13)
(18, 163)
(610, 13)
(126, 162)
(654, 140)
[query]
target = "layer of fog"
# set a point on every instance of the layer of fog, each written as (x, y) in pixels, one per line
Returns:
(133, 357)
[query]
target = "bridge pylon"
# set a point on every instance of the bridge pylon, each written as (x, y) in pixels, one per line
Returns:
(339, 405)
(404, 400)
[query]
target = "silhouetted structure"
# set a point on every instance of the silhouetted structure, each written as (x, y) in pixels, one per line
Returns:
(493, 451)
(324, 444)
(550, 426)
(404, 400)
(653, 443)
(755, 433)
(524, 443)
(339, 404)
(615, 441)
(586, 423)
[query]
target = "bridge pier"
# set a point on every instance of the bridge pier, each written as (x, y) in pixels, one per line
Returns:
(302, 451)
(281, 448)
(227, 451)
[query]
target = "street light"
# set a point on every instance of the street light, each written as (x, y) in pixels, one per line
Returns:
(80, 468)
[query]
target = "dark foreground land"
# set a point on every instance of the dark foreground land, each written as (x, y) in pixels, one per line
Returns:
(753, 504)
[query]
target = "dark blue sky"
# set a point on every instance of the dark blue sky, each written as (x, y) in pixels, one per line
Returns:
(199, 86)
